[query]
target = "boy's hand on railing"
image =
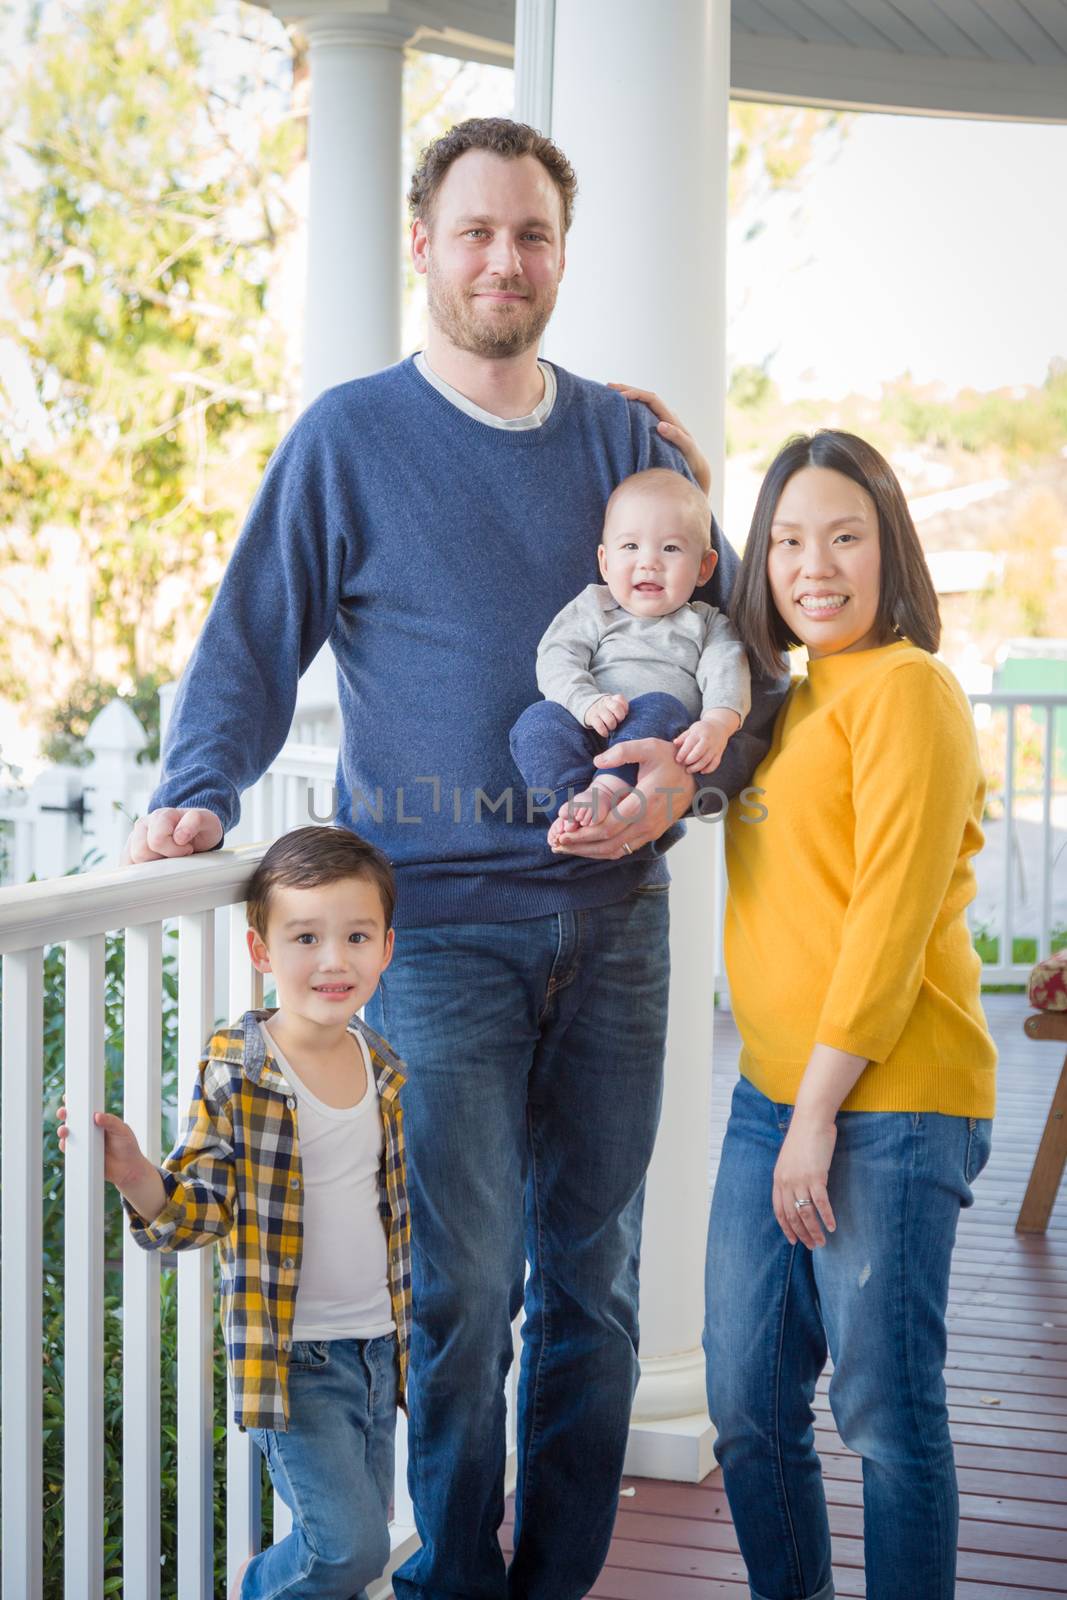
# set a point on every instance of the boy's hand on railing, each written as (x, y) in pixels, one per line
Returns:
(132, 1173)
(171, 831)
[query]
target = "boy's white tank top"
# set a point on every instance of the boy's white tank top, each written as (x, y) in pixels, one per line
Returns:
(343, 1292)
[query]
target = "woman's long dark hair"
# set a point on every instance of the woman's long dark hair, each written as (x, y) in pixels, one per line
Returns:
(907, 602)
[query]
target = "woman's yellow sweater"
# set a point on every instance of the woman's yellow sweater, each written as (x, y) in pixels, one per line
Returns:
(845, 917)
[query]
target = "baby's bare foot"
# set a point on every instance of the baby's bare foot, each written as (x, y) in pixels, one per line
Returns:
(594, 804)
(557, 829)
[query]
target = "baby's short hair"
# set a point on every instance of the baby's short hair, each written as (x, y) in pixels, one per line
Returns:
(309, 858)
(655, 480)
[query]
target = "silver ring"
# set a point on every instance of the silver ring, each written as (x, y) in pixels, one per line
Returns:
(626, 847)
(800, 1204)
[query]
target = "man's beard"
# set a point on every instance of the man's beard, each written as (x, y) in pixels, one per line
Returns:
(502, 333)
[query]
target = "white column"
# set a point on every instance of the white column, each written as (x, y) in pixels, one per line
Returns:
(535, 25)
(352, 324)
(643, 300)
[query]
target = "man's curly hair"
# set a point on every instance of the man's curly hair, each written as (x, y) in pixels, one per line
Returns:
(504, 138)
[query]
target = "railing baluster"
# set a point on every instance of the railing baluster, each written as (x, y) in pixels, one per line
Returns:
(303, 789)
(243, 1508)
(263, 808)
(22, 1286)
(142, 1070)
(196, 1412)
(83, 1328)
(1007, 939)
(1044, 945)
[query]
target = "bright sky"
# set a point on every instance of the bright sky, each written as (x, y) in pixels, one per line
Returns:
(928, 244)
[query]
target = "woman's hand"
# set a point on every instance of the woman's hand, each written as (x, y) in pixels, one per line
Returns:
(801, 1172)
(673, 431)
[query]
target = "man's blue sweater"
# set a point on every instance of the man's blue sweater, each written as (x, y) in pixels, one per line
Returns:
(432, 551)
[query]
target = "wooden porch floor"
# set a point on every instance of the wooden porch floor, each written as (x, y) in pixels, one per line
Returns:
(1007, 1390)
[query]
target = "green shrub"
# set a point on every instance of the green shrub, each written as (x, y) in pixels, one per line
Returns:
(1023, 950)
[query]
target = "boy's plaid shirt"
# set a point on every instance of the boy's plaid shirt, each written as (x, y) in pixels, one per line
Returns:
(235, 1178)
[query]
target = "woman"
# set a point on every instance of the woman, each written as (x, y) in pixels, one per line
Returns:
(861, 1117)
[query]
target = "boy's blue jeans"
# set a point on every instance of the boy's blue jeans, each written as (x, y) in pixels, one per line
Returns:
(334, 1470)
(553, 750)
(534, 1053)
(876, 1294)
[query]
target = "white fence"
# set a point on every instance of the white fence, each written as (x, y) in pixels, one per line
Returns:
(1022, 872)
(78, 912)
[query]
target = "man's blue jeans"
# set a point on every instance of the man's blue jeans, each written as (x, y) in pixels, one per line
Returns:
(876, 1294)
(334, 1470)
(534, 1053)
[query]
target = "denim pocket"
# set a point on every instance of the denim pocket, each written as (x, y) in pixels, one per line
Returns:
(979, 1144)
(309, 1355)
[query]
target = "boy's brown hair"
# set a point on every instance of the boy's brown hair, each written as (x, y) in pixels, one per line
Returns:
(502, 137)
(310, 857)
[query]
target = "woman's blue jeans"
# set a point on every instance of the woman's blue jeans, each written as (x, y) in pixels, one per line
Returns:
(334, 1470)
(534, 1054)
(876, 1294)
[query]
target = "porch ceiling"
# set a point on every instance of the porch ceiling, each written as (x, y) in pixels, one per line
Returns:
(977, 58)
(971, 58)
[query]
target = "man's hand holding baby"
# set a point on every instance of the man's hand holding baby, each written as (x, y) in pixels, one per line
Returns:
(606, 713)
(700, 747)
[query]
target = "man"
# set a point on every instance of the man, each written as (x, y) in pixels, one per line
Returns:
(429, 521)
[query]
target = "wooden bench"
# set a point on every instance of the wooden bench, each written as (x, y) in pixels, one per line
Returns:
(1051, 1155)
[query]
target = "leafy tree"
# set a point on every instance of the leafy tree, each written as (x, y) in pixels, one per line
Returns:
(1022, 426)
(1025, 600)
(772, 148)
(144, 210)
(65, 725)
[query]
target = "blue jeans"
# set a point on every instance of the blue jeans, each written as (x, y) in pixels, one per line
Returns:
(876, 1294)
(553, 750)
(534, 1053)
(334, 1470)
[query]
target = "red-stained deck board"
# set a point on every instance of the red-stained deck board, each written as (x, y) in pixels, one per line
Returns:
(1007, 1388)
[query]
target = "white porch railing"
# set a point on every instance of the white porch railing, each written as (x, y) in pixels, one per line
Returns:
(297, 790)
(1022, 872)
(79, 911)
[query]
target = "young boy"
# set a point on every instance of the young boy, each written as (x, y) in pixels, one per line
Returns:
(292, 1160)
(634, 658)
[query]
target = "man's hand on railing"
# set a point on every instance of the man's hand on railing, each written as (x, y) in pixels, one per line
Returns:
(171, 831)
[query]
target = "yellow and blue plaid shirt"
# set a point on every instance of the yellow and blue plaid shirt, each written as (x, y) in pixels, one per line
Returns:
(235, 1178)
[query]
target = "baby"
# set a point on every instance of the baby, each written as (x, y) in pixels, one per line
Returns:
(634, 657)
